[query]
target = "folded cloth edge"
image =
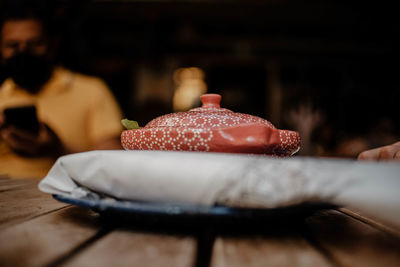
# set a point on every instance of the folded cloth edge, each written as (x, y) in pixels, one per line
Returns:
(228, 179)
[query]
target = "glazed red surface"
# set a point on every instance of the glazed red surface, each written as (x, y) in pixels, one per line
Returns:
(212, 128)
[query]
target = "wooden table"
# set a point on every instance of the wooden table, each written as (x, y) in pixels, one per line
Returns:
(36, 230)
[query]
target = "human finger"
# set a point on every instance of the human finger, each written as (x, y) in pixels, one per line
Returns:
(391, 152)
(372, 154)
(18, 141)
(22, 135)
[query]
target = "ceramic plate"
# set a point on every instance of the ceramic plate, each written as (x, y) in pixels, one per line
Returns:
(111, 206)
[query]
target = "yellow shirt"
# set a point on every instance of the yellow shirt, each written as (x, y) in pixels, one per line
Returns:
(80, 109)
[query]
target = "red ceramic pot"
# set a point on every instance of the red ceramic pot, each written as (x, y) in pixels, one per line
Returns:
(212, 128)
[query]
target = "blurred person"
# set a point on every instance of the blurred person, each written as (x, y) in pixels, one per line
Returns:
(75, 112)
(384, 153)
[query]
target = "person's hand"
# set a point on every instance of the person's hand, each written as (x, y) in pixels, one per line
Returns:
(388, 153)
(45, 143)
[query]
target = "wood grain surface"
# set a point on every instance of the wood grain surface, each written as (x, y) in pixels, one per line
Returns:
(8, 184)
(24, 201)
(384, 226)
(350, 242)
(44, 239)
(130, 248)
(36, 230)
(265, 251)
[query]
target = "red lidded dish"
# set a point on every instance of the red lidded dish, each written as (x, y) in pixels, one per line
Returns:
(214, 129)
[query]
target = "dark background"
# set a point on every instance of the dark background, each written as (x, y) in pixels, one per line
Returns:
(341, 56)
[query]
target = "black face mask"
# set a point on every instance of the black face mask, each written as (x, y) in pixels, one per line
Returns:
(28, 71)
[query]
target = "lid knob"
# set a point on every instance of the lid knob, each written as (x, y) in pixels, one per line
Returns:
(210, 101)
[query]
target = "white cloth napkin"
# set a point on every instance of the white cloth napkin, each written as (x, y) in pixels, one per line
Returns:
(229, 179)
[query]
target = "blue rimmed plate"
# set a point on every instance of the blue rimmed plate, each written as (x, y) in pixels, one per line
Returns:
(137, 208)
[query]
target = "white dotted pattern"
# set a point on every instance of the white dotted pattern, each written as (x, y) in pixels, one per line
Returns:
(193, 131)
(205, 118)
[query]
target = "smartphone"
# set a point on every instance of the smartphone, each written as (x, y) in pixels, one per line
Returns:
(23, 117)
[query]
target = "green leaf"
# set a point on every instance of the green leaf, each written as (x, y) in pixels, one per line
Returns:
(130, 125)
